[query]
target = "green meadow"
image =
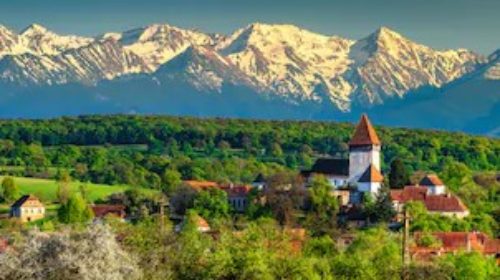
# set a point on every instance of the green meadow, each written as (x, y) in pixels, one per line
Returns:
(46, 190)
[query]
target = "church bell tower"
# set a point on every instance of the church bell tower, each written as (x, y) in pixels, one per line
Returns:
(364, 150)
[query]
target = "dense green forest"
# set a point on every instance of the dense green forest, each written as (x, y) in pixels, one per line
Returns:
(138, 150)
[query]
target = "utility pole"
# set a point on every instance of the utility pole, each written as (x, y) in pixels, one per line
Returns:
(162, 212)
(405, 250)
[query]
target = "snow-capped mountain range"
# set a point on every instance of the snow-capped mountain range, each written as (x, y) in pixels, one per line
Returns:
(278, 62)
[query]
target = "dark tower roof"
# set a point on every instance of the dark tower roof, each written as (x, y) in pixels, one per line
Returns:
(364, 134)
(371, 175)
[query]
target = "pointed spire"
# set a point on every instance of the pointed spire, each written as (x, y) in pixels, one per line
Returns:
(365, 133)
(371, 175)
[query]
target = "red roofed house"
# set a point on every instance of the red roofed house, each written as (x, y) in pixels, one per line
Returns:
(237, 196)
(201, 185)
(103, 210)
(200, 223)
(28, 208)
(435, 201)
(452, 242)
(434, 184)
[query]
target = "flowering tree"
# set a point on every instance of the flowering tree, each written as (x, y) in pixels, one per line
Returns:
(91, 254)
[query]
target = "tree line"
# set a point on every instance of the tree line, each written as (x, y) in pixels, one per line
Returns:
(139, 149)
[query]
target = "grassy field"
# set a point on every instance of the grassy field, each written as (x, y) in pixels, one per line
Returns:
(46, 190)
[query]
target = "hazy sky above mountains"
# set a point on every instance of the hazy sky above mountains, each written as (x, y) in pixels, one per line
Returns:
(473, 24)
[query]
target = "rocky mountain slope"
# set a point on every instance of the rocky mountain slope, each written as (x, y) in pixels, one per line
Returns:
(319, 75)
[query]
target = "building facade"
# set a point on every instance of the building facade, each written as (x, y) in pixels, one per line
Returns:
(360, 173)
(28, 208)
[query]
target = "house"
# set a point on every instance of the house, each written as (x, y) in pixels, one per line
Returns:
(445, 204)
(433, 184)
(28, 208)
(259, 182)
(200, 223)
(335, 170)
(237, 196)
(201, 185)
(361, 171)
(453, 242)
(103, 210)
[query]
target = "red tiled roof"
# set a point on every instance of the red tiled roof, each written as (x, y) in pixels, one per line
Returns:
(236, 191)
(409, 193)
(455, 241)
(364, 134)
(431, 180)
(371, 175)
(102, 210)
(202, 223)
(396, 195)
(444, 203)
(201, 185)
(492, 246)
(435, 203)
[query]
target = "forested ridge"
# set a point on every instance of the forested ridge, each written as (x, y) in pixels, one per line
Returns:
(124, 149)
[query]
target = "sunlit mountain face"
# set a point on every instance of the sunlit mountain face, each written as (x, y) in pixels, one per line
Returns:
(258, 71)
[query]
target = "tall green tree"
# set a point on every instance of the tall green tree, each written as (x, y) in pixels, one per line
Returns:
(323, 217)
(10, 191)
(63, 191)
(75, 210)
(399, 175)
(171, 179)
(212, 204)
(383, 209)
(472, 266)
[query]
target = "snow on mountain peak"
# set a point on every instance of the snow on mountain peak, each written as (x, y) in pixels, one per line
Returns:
(34, 29)
(387, 64)
(282, 59)
(158, 43)
(492, 69)
(9, 42)
(204, 68)
(287, 59)
(40, 40)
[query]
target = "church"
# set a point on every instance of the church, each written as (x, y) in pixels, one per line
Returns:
(360, 173)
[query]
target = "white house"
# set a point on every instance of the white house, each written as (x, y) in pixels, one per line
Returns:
(433, 184)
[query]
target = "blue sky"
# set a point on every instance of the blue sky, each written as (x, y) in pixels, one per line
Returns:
(473, 24)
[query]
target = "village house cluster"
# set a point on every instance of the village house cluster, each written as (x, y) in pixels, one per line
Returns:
(351, 179)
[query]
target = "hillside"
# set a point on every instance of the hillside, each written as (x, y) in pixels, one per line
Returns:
(215, 149)
(46, 189)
